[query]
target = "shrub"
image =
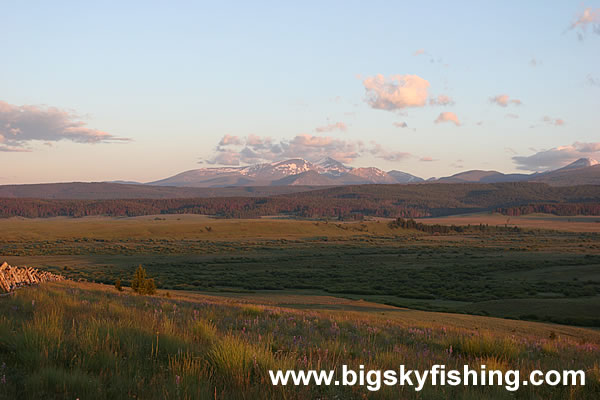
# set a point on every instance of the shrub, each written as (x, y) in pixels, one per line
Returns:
(141, 284)
(118, 285)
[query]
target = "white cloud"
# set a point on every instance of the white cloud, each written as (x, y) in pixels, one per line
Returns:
(400, 124)
(396, 92)
(19, 125)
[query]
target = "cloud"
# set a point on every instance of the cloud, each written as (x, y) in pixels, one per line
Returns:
(20, 125)
(225, 158)
(511, 115)
(255, 149)
(504, 100)
(379, 152)
(553, 121)
(593, 81)
(441, 100)
(400, 124)
(588, 18)
(419, 52)
(533, 62)
(229, 139)
(557, 157)
(397, 92)
(447, 117)
(338, 126)
(426, 159)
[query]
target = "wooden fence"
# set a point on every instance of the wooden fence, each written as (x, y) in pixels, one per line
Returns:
(15, 277)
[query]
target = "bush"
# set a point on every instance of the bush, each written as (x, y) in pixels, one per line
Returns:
(118, 285)
(141, 284)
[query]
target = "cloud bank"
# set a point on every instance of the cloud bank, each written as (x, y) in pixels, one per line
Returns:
(235, 150)
(20, 125)
(557, 157)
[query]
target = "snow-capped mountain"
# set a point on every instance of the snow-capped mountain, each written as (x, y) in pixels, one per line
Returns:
(332, 167)
(581, 163)
(325, 172)
(330, 172)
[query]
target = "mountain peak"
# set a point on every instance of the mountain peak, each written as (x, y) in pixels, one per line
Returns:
(581, 163)
(332, 167)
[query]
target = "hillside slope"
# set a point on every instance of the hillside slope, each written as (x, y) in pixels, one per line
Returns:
(88, 341)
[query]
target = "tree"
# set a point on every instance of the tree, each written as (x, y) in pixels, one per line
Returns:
(139, 277)
(118, 285)
(149, 286)
(141, 284)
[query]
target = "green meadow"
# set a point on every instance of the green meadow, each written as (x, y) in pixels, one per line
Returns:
(237, 298)
(531, 274)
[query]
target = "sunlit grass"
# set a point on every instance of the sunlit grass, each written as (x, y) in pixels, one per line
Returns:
(81, 341)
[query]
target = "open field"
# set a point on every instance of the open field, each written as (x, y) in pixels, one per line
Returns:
(88, 341)
(527, 274)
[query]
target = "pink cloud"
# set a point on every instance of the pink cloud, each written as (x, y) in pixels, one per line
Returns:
(426, 159)
(255, 149)
(441, 100)
(589, 17)
(447, 117)
(229, 139)
(400, 124)
(553, 121)
(338, 126)
(397, 92)
(504, 100)
(22, 124)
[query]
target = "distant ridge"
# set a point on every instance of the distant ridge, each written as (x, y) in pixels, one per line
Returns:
(330, 172)
(284, 177)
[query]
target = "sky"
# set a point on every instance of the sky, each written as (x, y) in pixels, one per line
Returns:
(142, 90)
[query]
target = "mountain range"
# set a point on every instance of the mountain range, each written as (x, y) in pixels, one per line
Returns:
(330, 172)
(285, 177)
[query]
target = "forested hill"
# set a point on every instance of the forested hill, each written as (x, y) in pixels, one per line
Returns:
(347, 202)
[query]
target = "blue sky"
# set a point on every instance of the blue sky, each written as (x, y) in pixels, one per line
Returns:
(144, 90)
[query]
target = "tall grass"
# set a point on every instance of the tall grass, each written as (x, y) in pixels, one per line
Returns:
(72, 341)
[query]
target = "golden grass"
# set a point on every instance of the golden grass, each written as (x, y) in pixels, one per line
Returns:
(74, 340)
(186, 226)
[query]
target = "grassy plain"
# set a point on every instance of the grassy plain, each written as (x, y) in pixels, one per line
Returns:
(530, 274)
(88, 341)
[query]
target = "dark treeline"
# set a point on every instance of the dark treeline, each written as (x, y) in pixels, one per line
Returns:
(445, 229)
(236, 207)
(346, 202)
(556, 209)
